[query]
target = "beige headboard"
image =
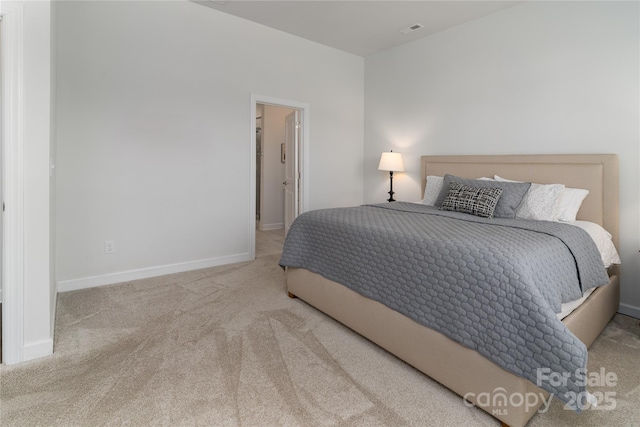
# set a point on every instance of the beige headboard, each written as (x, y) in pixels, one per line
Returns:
(597, 173)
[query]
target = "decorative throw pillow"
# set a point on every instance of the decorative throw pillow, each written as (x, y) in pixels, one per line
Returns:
(567, 204)
(540, 201)
(512, 193)
(432, 189)
(473, 200)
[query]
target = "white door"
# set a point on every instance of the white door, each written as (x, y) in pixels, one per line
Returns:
(292, 181)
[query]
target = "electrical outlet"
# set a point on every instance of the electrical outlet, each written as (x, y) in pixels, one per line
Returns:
(109, 247)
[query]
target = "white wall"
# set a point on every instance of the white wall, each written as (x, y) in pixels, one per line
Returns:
(273, 134)
(539, 77)
(154, 133)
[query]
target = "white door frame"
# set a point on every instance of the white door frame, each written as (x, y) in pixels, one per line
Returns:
(13, 183)
(291, 193)
(303, 166)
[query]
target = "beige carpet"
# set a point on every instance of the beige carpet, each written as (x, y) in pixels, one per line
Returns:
(226, 347)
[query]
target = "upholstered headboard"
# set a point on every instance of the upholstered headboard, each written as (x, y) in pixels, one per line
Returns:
(597, 173)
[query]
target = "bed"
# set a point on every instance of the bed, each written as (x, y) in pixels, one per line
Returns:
(461, 369)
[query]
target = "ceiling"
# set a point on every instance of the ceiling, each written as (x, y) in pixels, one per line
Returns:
(360, 27)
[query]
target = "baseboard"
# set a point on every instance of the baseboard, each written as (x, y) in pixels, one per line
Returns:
(54, 309)
(267, 227)
(37, 349)
(629, 310)
(145, 273)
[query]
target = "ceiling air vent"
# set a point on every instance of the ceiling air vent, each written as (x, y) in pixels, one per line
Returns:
(411, 28)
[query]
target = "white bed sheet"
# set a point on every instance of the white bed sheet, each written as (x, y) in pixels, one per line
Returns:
(603, 241)
(609, 255)
(567, 308)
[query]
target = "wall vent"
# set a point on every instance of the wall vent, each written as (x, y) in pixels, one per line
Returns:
(411, 28)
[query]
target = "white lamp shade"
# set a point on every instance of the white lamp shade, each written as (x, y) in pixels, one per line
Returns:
(391, 162)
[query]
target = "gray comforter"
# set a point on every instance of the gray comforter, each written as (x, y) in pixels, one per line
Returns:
(493, 285)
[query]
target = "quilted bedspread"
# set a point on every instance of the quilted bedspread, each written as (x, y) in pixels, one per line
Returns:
(492, 285)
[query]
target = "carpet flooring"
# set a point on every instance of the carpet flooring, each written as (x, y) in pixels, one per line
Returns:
(225, 346)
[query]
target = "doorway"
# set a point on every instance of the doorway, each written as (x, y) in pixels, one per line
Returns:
(259, 154)
(271, 134)
(269, 162)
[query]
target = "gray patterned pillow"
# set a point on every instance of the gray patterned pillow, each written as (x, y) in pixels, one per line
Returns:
(475, 201)
(512, 193)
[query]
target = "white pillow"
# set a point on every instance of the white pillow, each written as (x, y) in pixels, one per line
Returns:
(569, 203)
(603, 241)
(540, 202)
(432, 189)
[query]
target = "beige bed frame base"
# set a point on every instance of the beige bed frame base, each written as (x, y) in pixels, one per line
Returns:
(461, 369)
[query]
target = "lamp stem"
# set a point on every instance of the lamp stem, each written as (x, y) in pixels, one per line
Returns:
(391, 199)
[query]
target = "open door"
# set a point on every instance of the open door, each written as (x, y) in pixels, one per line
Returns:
(292, 179)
